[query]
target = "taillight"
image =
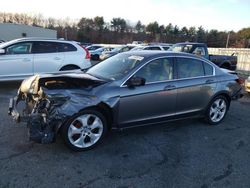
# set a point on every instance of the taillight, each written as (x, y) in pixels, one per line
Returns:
(240, 81)
(87, 52)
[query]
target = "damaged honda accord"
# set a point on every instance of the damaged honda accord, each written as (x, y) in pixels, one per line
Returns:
(129, 89)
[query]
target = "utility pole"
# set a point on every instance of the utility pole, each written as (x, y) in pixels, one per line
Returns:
(66, 34)
(228, 37)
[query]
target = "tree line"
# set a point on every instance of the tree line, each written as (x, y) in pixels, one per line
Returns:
(121, 31)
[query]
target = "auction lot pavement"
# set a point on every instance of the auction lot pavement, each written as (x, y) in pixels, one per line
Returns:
(184, 154)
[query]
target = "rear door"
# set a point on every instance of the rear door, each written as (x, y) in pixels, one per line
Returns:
(17, 62)
(47, 57)
(195, 85)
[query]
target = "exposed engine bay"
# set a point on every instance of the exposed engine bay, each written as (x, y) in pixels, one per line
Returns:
(50, 100)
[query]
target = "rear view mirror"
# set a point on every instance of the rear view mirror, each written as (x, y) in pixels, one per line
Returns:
(136, 81)
(2, 51)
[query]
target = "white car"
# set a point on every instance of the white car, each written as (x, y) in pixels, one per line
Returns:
(25, 57)
(151, 47)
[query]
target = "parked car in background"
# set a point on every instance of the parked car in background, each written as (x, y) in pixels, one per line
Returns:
(200, 49)
(129, 89)
(95, 54)
(152, 47)
(85, 44)
(116, 50)
(28, 56)
(93, 47)
(247, 85)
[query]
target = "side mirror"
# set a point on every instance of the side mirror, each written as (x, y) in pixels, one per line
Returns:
(2, 51)
(136, 81)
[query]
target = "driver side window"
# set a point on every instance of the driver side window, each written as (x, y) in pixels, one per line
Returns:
(157, 70)
(20, 48)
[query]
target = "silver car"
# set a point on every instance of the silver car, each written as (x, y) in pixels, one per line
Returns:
(129, 89)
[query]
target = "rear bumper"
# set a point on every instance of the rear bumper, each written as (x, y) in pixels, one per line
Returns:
(238, 94)
(233, 67)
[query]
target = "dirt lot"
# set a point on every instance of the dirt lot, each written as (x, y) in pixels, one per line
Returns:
(185, 153)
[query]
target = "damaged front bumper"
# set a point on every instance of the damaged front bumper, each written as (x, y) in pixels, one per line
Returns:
(50, 101)
(13, 111)
(38, 124)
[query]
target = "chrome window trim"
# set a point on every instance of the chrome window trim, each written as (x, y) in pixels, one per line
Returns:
(196, 58)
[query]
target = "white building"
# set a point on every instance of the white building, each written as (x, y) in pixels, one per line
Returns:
(10, 31)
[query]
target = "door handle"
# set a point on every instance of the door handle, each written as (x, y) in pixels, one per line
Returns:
(169, 87)
(209, 81)
(26, 60)
(57, 58)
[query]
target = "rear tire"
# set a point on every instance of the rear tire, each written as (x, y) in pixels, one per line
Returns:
(217, 110)
(84, 130)
(69, 67)
(225, 66)
(95, 57)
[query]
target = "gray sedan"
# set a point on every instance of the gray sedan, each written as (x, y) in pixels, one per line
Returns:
(129, 89)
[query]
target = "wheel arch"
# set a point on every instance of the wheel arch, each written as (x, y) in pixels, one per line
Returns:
(105, 110)
(68, 66)
(225, 64)
(223, 93)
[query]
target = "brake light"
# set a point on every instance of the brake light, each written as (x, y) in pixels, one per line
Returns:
(240, 81)
(87, 52)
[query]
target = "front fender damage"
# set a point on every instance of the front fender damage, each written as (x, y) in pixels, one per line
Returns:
(50, 106)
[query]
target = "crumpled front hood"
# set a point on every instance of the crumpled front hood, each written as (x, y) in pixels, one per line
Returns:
(32, 84)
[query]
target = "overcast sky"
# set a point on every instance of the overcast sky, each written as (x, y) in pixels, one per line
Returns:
(223, 15)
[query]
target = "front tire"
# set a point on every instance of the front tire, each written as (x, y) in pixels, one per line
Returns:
(84, 130)
(217, 110)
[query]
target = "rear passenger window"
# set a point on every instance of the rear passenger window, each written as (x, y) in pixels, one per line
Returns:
(66, 47)
(188, 68)
(153, 48)
(208, 69)
(45, 47)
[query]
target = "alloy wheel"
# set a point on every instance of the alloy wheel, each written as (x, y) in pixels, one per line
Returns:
(218, 110)
(85, 130)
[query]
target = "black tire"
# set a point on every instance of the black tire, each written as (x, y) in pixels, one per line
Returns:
(66, 130)
(69, 67)
(211, 107)
(95, 57)
(225, 66)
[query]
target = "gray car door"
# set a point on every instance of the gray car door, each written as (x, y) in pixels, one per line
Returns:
(194, 86)
(156, 99)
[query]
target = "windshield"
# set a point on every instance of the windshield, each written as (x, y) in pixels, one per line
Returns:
(115, 67)
(182, 48)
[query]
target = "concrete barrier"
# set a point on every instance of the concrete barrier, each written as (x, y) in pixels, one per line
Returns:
(243, 56)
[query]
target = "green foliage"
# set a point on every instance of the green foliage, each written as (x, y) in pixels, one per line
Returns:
(244, 33)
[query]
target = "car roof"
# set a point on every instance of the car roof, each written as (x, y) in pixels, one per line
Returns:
(155, 53)
(190, 43)
(35, 39)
